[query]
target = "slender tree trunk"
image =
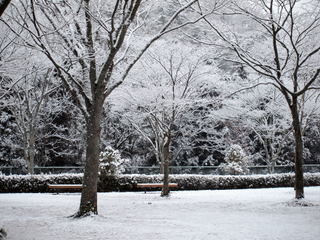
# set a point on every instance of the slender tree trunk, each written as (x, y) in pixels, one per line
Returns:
(26, 158)
(272, 157)
(273, 164)
(166, 159)
(268, 158)
(299, 185)
(88, 204)
(159, 157)
(31, 163)
(31, 151)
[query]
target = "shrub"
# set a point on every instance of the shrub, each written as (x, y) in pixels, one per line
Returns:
(236, 161)
(111, 162)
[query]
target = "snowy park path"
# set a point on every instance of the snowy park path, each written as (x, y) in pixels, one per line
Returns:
(252, 214)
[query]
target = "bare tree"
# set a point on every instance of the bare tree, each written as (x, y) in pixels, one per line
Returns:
(287, 55)
(171, 91)
(91, 46)
(265, 115)
(26, 102)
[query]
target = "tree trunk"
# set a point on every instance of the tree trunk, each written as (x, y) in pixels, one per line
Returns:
(29, 152)
(299, 185)
(273, 164)
(88, 204)
(165, 189)
(26, 158)
(268, 158)
(32, 150)
(162, 166)
(272, 157)
(166, 158)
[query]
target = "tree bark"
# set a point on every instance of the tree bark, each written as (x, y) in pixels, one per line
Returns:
(32, 150)
(299, 185)
(88, 203)
(165, 189)
(162, 166)
(29, 152)
(273, 164)
(166, 159)
(26, 158)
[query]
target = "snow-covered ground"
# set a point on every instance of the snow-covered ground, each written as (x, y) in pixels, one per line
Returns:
(252, 214)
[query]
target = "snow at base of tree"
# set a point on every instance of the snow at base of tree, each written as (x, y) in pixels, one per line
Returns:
(260, 214)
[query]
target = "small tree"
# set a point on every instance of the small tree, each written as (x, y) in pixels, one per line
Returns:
(265, 116)
(161, 104)
(236, 161)
(111, 162)
(26, 103)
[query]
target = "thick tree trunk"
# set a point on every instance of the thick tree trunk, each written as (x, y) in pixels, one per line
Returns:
(88, 204)
(165, 189)
(162, 166)
(299, 185)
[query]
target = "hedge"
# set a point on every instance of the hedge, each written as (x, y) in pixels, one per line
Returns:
(39, 183)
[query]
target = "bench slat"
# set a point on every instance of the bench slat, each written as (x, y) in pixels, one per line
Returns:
(65, 186)
(154, 185)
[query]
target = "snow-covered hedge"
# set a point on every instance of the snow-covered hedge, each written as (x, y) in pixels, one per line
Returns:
(35, 183)
(38, 183)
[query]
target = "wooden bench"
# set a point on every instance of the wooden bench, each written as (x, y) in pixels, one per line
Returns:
(155, 185)
(64, 186)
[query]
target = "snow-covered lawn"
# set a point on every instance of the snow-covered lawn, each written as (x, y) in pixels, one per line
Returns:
(252, 214)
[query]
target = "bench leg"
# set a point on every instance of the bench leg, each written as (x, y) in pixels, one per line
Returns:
(55, 191)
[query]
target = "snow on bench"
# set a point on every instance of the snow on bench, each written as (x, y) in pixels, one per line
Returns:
(155, 185)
